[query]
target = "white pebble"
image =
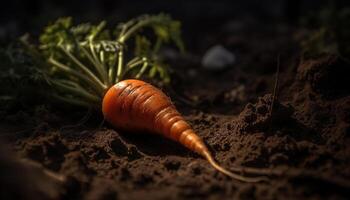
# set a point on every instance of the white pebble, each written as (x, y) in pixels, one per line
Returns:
(217, 58)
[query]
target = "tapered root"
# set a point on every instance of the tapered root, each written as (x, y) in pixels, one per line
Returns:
(213, 163)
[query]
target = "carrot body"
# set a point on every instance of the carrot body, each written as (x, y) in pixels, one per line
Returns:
(136, 106)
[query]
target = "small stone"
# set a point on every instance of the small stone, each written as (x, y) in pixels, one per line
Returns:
(172, 165)
(217, 58)
(228, 126)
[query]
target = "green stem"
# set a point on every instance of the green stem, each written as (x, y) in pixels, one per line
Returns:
(157, 45)
(142, 70)
(105, 68)
(75, 85)
(125, 34)
(72, 101)
(98, 89)
(111, 70)
(77, 91)
(104, 65)
(125, 27)
(134, 28)
(100, 65)
(133, 63)
(94, 62)
(120, 65)
(84, 68)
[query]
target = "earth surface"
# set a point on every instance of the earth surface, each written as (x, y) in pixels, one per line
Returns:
(271, 110)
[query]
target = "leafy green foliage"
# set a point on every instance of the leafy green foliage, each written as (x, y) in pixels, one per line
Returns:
(84, 60)
(330, 33)
(167, 31)
(21, 83)
(320, 42)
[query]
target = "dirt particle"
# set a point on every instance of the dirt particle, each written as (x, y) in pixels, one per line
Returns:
(100, 154)
(278, 158)
(229, 126)
(133, 153)
(118, 147)
(222, 146)
(171, 164)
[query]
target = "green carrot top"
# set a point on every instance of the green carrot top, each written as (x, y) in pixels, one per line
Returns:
(82, 61)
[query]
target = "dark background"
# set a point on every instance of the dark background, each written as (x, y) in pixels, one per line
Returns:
(198, 16)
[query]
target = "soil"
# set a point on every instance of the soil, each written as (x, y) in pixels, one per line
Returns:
(300, 133)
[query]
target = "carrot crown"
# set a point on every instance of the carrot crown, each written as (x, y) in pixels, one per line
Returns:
(82, 61)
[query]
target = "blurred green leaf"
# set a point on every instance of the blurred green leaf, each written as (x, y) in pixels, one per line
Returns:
(142, 46)
(329, 33)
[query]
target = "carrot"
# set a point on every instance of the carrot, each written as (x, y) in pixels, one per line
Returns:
(88, 68)
(136, 106)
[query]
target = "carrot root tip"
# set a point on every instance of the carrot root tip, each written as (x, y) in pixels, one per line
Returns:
(239, 177)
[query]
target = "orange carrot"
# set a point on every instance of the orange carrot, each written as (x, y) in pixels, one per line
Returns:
(136, 106)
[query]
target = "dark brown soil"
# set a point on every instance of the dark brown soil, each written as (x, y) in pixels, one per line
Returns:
(304, 139)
